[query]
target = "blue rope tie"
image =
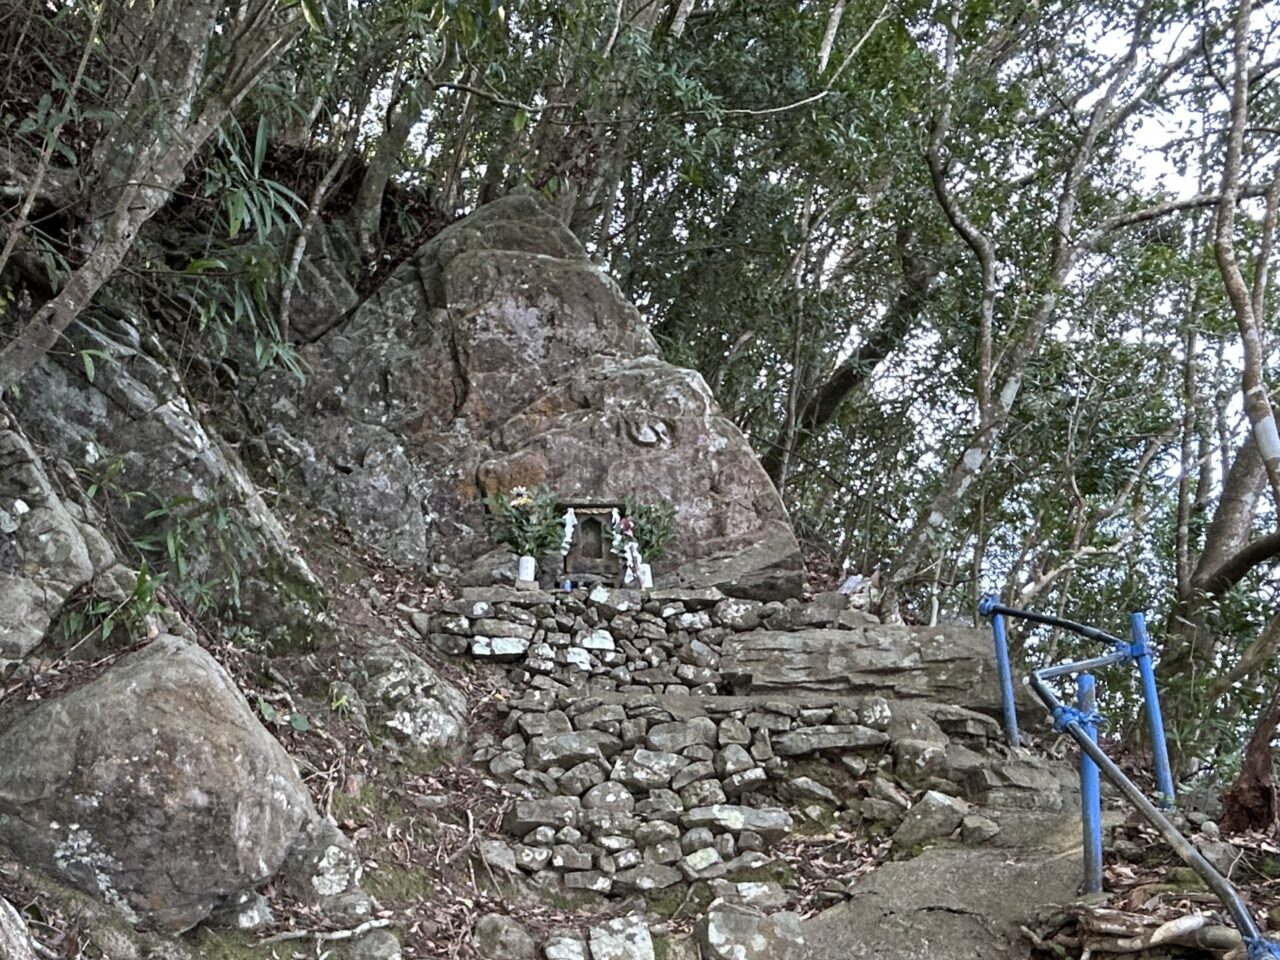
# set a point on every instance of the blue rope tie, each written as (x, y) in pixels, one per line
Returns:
(1065, 715)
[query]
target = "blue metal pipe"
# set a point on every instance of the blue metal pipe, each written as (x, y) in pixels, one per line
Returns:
(990, 605)
(1083, 666)
(1090, 788)
(1005, 674)
(1258, 946)
(1155, 719)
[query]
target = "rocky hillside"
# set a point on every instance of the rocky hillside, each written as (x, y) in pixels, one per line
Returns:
(264, 690)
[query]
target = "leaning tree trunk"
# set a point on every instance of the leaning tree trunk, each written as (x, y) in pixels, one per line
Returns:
(1253, 802)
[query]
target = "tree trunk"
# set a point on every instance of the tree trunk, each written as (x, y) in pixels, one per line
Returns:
(1252, 802)
(137, 168)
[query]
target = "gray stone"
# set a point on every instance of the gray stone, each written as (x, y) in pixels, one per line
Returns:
(737, 614)
(565, 857)
(449, 375)
(498, 649)
(703, 864)
(771, 824)
(532, 859)
(660, 805)
(561, 946)
(732, 759)
(580, 778)
(503, 629)
(978, 829)
(1224, 856)
(645, 878)
(567, 749)
(15, 941)
(153, 788)
(134, 426)
(593, 881)
(499, 856)
(622, 938)
(675, 737)
(697, 839)
(414, 704)
(733, 731)
(598, 641)
(647, 769)
(376, 945)
(806, 788)
(506, 763)
(499, 937)
(655, 831)
(932, 816)
(703, 793)
(698, 770)
(526, 815)
(812, 739)
(609, 795)
(763, 895)
(947, 664)
(745, 781)
(44, 556)
(732, 932)
(323, 868)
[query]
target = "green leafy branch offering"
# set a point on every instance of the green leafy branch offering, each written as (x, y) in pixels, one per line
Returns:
(652, 525)
(527, 521)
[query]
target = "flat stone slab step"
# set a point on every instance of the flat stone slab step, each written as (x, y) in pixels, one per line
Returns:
(957, 903)
(945, 663)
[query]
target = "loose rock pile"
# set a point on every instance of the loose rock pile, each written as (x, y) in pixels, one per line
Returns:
(649, 763)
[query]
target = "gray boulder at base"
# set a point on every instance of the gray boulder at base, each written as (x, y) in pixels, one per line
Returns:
(731, 932)
(15, 941)
(499, 355)
(153, 788)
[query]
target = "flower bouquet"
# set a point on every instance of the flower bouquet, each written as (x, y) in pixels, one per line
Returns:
(527, 522)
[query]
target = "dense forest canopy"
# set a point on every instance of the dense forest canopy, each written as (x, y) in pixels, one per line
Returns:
(986, 283)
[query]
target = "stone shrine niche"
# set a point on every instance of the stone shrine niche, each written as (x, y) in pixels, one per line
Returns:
(590, 549)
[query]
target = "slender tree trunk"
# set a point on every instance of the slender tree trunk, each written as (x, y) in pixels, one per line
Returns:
(1252, 802)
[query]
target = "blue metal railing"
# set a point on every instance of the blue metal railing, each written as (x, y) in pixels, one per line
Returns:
(1081, 724)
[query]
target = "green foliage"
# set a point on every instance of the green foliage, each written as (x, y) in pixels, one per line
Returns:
(97, 619)
(526, 521)
(653, 525)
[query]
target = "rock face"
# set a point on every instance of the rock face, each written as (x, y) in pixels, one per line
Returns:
(153, 788)
(500, 355)
(46, 550)
(132, 430)
(15, 942)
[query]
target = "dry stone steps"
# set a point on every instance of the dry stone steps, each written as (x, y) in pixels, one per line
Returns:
(670, 739)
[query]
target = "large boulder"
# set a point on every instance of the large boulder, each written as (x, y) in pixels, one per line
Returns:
(153, 788)
(499, 355)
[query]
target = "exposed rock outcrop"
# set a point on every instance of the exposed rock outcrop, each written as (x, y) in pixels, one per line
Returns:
(15, 941)
(500, 355)
(47, 551)
(130, 430)
(153, 788)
